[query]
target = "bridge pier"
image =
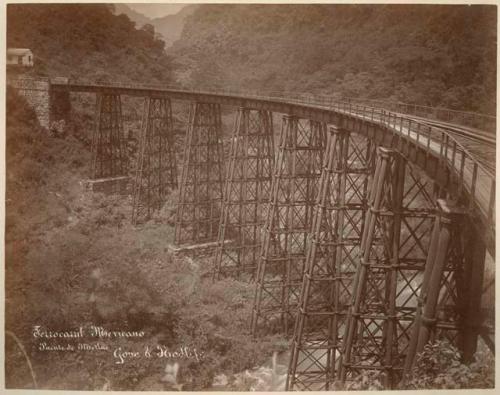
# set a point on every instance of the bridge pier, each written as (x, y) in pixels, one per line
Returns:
(108, 156)
(455, 260)
(392, 255)
(156, 171)
(294, 189)
(50, 105)
(199, 207)
(247, 193)
(331, 261)
(442, 254)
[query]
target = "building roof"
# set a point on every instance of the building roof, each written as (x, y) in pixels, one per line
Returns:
(18, 51)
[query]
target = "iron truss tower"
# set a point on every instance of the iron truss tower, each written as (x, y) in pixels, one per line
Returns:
(156, 172)
(108, 159)
(393, 252)
(199, 208)
(450, 295)
(246, 194)
(294, 189)
(331, 261)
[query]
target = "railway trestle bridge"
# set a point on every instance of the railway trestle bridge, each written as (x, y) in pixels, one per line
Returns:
(365, 225)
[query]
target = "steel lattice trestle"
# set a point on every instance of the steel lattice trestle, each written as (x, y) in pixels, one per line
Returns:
(156, 167)
(294, 189)
(200, 199)
(108, 159)
(393, 253)
(331, 261)
(246, 194)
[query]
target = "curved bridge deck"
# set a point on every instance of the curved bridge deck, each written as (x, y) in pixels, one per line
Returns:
(460, 159)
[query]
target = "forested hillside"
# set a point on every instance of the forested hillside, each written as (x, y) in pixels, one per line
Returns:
(87, 41)
(425, 54)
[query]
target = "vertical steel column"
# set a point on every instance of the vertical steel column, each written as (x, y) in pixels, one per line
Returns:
(294, 189)
(331, 262)
(156, 171)
(450, 298)
(425, 319)
(108, 159)
(392, 259)
(198, 212)
(472, 292)
(246, 194)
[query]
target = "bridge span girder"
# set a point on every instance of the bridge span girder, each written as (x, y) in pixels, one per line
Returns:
(383, 129)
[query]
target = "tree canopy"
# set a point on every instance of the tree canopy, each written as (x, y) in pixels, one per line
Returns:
(438, 55)
(87, 41)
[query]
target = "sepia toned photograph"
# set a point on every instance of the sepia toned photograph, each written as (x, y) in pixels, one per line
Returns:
(250, 197)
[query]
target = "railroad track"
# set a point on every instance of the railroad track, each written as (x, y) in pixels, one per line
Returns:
(479, 143)
(470, 133)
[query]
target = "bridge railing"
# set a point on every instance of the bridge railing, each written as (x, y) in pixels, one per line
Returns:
(467, 170)
(464, 118)
(463, 166)
(477, 178)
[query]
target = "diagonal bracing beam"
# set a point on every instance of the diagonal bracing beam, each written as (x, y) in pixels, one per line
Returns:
(393, 252)
(450, 296)
(294, 188)
(246, 194)
(200, 199)
(331, 261)
(156, 172)
(108, 157)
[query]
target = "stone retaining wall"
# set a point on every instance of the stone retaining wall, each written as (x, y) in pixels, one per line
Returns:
(49, 106)
(37, 94)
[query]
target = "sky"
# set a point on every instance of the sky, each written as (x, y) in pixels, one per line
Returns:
(156, 10)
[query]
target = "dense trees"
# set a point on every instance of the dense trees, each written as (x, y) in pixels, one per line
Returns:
(426, 54)
(439, 55)
(87, 41)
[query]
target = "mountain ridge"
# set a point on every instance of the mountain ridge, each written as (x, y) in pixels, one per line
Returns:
(169, 26)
